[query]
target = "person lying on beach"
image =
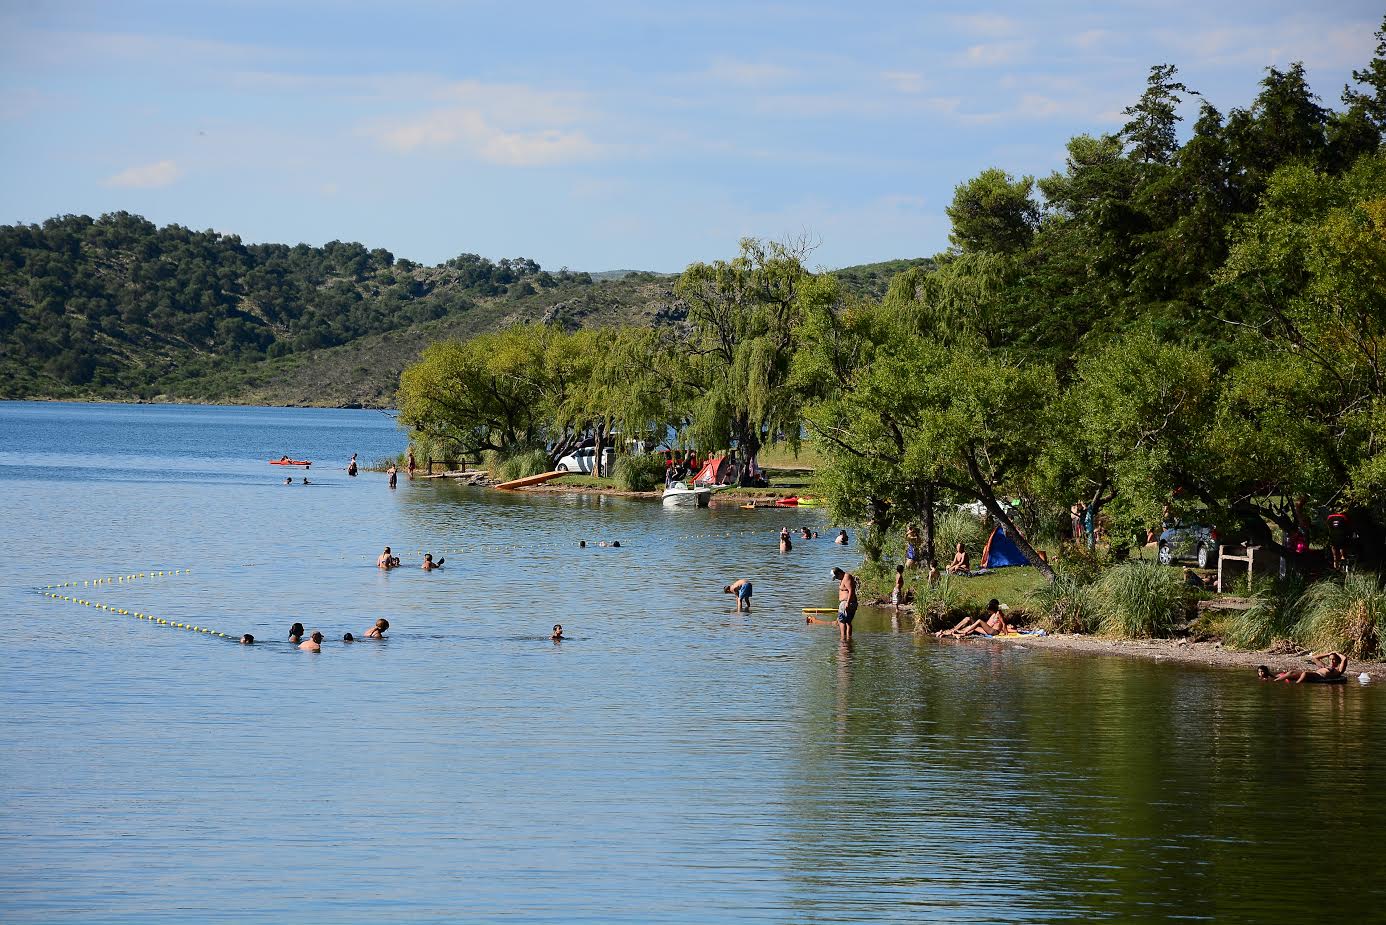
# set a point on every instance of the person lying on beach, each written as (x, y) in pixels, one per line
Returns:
(386, 560)
(1328, 672)
(378, 631)
(428, 563)
(247, 640)
(313, 643)
(557, 632)
(296, 633)
(994, 624)
(742, 589)
(961, 564)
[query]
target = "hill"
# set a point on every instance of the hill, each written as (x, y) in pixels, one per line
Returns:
(117, 308)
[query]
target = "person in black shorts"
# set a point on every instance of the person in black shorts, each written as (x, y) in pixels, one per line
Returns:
(846, 601)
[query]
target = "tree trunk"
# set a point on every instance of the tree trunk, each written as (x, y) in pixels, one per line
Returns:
(597, 459)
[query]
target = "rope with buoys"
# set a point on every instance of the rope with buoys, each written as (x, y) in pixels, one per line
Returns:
(49, 592)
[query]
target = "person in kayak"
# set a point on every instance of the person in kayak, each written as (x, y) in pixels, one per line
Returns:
(742, 589)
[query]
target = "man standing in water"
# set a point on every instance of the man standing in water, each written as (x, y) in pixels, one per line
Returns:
(846, 601)
(742, 589)
(394, 475)
(351, 466)
(386, 560)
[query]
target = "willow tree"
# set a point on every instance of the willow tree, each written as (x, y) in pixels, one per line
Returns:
(746, 314)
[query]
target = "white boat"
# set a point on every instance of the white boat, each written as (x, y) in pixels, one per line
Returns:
(678, 494)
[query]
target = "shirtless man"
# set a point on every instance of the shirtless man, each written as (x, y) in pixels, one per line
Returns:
(742, 589)
(313, 643)
(841, 540)
(386, 560)
(961, 564)
(897, 593)
(846, 602)
(296, 633)
(378, 631)
(785, 544)
(557, 633)
(428, 563)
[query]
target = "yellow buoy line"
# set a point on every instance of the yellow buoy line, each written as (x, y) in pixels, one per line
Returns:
(51, 591)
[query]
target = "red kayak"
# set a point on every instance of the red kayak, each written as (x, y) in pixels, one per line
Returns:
(305, 463)
(792, 501)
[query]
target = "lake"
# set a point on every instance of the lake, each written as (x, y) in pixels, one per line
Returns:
(672, 762)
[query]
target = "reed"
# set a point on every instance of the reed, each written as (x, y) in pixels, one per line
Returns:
(1138, 600)
(1348, 616)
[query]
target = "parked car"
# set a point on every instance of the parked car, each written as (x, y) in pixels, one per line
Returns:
(582, 460)
(1189, 542)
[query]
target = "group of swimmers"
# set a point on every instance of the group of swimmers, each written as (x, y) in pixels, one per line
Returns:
(603, 544)
(314, 641)
(389, 560)
(805, 533)
(289, 480)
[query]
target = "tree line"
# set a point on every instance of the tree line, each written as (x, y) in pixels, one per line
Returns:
(1179, 322)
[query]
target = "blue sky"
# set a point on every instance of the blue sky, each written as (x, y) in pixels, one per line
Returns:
(601, 135)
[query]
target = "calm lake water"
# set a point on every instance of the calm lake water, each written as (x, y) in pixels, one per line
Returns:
(673, 762)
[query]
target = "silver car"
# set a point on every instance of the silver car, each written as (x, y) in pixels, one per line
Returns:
(1189, 542)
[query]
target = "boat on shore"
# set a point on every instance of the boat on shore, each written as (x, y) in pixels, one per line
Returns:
(679, 494)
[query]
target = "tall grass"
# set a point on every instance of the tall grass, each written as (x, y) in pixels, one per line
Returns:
(1138, 600)
(1347, 616)
(940, 606)
(638, 473)
(1272, 618)
(519, 465)
(952, 527)
(1065, 605)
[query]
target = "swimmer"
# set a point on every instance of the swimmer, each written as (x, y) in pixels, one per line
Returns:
(347, 637)
(785, 544)
(394, 562)
(841, 538)
(314, 643)
(378, 631)
(615, 544)
(288, 480)
(386, 559)
(805, 533)
(742, 589)
(305, 481)
(247, 640)
(582, 544)
(1264, 673)
(846, 601)
(296, 633)
(557, 633)
(897, 593)
(428, 563)
(351, 466)
(602, 544)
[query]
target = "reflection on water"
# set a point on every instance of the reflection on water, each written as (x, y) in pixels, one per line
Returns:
(675, 761)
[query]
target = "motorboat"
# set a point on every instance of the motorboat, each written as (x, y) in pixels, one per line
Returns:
(679, 494)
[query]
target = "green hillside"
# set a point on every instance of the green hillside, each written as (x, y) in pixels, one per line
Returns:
(118, 308)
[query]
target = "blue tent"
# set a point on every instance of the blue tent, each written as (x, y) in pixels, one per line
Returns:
(1002, 551)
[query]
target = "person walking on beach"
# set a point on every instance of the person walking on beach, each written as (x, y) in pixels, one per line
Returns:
(742, 589)
(846, 601)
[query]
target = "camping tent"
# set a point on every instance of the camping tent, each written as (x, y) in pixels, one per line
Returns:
(716, 472)
(1001, 551)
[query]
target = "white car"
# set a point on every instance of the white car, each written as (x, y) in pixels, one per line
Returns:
(582, 460)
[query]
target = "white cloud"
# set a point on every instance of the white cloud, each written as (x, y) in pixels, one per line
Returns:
(148, 176)
(991, 54)
(1092, 38)
(748, 73)
(904, 81)
(987, 24)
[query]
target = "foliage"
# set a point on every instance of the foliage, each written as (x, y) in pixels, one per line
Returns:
(1273, 617)
(952, 527)
(1348, 616)
(515, 465)
(1065, 605)
(639, 472)
(1141, 599)
(939, 606)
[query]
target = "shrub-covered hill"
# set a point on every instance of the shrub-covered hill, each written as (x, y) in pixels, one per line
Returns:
(116, 307)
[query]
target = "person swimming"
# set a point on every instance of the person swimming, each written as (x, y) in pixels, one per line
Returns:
(742, 589)
(288, 480)
(785, 544)
(296, 633)
(841, 538)
(1332, 671)
(247, 640)
(313, 643)
(428, 563)
(805, 533)
(557, 633)
(347, 637)
(386, 560)
(378, 631)
(305, 481)
(582, 544)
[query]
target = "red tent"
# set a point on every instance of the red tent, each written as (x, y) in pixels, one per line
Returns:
(716, 472)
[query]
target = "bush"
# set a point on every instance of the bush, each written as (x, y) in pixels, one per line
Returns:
(940, 606)
(1272, 617)
(518, 465)
(639, 473)
(952, 527)
(1065, 605)
(1347, 616)
(1139, 599)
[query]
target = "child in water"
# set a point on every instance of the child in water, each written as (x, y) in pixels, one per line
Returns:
(897, 593)
(378, 631)
(296, 633)
(428, 563)
(557, 632)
